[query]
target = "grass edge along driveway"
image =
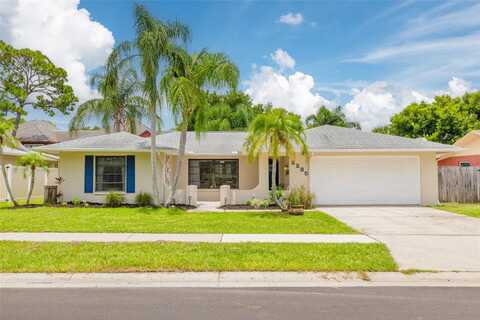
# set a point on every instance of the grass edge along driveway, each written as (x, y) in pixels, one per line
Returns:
(150, 220)
(466, 209)
(175, 256)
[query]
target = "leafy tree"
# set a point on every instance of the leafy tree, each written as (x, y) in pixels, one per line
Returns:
(276, 131)
(335, 117)
(233, 111)
(155, 40)
(121, 105)
(445, 120)
(184, 84)
(29, 79)
(31, 161)
(7, 140)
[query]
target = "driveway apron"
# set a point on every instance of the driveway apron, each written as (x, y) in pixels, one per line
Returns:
(419, 237)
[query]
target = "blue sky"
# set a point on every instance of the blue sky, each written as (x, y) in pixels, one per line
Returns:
(373, 57)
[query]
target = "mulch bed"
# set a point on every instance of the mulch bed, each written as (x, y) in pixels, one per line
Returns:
(246, 207)
(91, 205)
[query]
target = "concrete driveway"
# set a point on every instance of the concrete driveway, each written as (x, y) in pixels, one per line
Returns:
(419, 237)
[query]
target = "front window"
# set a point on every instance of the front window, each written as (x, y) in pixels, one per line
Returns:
(109, 174)
(211, 174)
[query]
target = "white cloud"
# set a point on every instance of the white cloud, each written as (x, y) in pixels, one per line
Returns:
(373, 105)
(283, 59)
(436, 21)
(458, 87)
(62, 31)
(434, 49)
(291, 18)
(293, 92)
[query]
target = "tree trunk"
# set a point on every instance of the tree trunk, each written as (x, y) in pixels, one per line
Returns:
(274, 184)
(18, 117)
(178, 166)
(153, 157)
(32, 182)
(7, 185)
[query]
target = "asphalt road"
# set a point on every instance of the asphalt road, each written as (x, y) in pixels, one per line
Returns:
(231, 304)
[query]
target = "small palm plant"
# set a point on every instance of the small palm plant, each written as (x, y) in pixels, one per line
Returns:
(7, 140)
(276, 132)
(31, 161)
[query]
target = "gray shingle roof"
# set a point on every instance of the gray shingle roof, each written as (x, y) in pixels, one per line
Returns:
(324, 138)
(337, 138)
(213, 142)
(120, 141)
(37, 131)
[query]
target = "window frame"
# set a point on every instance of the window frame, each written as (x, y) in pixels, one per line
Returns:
(95, 173)
(237, 171)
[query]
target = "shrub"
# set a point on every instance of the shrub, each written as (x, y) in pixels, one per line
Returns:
(280, 195)
(114, 199)
(144, 199)
(254, 203)
(76, 201)
(300, 196)
(265, 203)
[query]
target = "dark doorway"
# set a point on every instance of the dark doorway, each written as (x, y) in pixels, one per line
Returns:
(277, 178)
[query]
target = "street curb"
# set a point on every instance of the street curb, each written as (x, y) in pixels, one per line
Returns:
(238, 279)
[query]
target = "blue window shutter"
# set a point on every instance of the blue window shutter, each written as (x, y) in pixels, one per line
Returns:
(88, 185)
(130, 174)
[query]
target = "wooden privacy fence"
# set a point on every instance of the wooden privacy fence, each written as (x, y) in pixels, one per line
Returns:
(459, 184)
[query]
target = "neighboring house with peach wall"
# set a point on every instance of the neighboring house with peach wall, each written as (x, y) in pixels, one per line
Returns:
(468, 154)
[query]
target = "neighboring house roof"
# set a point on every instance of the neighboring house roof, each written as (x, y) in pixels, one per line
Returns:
(45, 132)
(37, 131)
(7, 151)
(120, 141)
(469, 145)
(320, 139)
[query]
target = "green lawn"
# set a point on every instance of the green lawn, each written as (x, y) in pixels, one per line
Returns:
(467, 209)
(149, 220)
(171, 256)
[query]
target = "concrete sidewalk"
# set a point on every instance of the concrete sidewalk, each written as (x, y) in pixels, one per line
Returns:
(237, 279)
(211, 238)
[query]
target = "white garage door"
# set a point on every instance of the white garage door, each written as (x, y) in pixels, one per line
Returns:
(365, 180)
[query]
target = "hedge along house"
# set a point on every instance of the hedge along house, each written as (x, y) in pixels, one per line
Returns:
(345, 167)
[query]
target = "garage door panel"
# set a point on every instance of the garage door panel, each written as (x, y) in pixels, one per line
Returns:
(365, 180)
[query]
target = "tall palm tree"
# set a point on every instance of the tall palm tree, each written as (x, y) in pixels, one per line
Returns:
(155, 40)
(120, 105)
(31, 161)
(335, 117)
(7, 140)
(185, 83)
(275, 132)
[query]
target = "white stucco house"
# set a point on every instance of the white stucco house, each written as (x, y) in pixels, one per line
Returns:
(345, 167)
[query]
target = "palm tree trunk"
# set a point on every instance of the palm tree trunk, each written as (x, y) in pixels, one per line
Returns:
(274, 184)
(178, 166)
(153, 157)
(7, 185)
(32, 182)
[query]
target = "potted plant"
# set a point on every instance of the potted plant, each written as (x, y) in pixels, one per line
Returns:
(295, 204)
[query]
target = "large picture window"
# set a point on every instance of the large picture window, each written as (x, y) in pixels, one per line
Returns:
(211, 174)
(109, 174)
